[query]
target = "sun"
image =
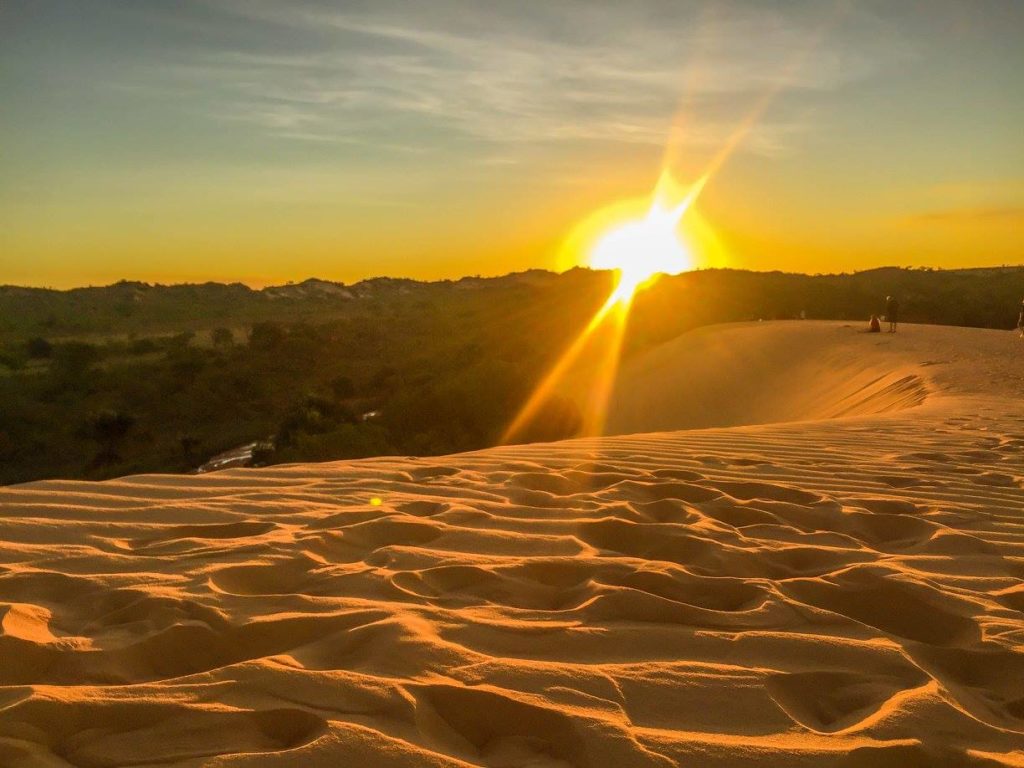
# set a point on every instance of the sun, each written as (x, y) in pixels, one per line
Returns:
(641, 249)
(640, 239)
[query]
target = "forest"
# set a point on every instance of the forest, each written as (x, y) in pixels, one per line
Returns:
(129, 378)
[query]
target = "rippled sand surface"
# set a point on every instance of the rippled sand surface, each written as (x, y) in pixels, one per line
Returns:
(843, 587)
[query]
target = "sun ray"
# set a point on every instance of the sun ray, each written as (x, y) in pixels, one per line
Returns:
(603, 379)
(642, 249)
(547, 386)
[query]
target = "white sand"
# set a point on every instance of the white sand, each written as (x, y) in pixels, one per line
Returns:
(829, 591)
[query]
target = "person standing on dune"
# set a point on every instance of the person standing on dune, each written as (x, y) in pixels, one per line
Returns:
(1020, 319)
(892, 311)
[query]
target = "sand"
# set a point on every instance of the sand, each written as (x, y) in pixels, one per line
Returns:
(832, 574)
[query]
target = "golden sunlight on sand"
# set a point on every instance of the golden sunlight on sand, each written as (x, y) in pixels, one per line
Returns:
(640, 249)
(840, 586)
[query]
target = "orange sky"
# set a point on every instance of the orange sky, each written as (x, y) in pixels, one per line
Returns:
(235, 141)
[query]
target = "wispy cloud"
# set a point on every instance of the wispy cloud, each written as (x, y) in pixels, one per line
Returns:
(414, 76)
(971, 216)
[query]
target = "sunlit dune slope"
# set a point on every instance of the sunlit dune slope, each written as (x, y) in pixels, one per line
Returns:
(760, 373)
(812, 592)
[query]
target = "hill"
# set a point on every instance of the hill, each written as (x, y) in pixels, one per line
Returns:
(101, 382)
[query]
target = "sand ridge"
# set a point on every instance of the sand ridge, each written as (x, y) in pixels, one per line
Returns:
(836, 591)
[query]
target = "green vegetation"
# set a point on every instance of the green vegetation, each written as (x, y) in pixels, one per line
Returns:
(102, 382)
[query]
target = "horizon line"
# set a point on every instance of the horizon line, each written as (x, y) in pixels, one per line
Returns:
(257, 287)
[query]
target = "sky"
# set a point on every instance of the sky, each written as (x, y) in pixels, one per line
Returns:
(258, 141)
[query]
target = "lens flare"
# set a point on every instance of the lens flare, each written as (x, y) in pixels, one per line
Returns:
(642, 249)
(639, 249)
(641, 240)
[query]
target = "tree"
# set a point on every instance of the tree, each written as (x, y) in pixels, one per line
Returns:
(143, 347)
(38, 348)
(222, 337)
(266, 336)
(13, 359)
(342, 387)
(188, 444)
(109, 428)
(72, 361)
(181, 340)
(185, 363)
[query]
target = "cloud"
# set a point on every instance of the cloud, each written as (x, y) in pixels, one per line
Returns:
(413, 76)
(970, 216)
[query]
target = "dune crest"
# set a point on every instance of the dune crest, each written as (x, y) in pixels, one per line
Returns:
(764, 373)
(833, 575)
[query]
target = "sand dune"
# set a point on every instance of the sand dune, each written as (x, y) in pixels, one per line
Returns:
(833, 575)
(762, 373)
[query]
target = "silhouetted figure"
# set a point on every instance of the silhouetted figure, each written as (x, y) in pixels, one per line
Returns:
(874, 326)
(892, 312)
(1020, 319)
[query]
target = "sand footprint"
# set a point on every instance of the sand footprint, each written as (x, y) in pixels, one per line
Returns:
(281, 577)
(832, 701)
(496, 726)
(88, 732)
(213, 531)
(891, 604)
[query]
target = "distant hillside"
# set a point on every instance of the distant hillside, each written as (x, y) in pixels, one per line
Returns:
(100, 382)
(984, 297)
(135, 307)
